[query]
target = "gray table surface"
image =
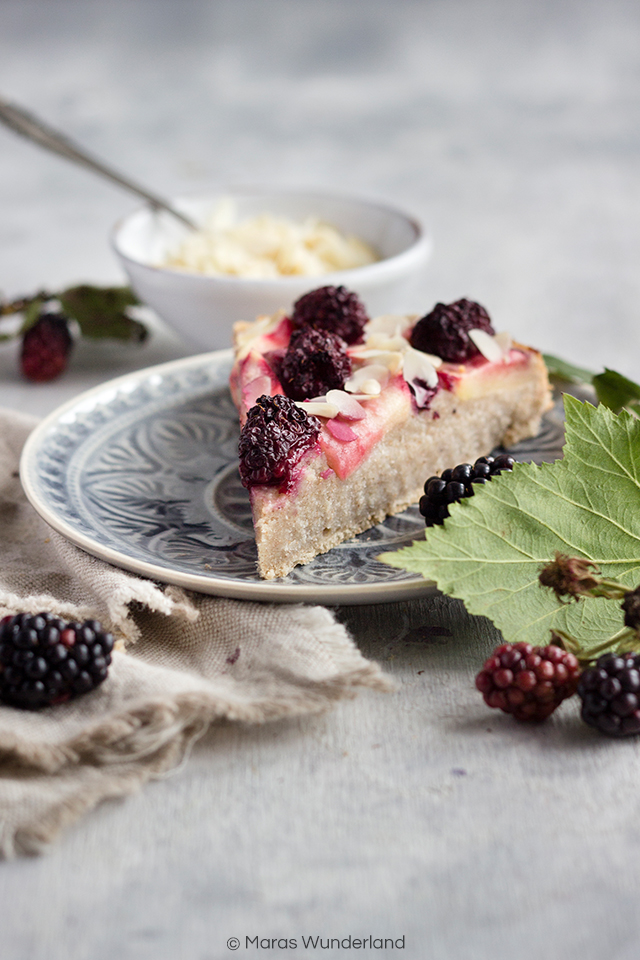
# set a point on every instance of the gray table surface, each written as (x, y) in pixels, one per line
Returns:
(512, 128)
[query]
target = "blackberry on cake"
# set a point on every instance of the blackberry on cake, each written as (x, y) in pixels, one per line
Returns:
(275, 436)
(445, 330)
(403, 412)
(334, 309)
(316, 361)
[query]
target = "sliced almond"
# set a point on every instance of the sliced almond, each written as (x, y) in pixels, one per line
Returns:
(390, 324)
(373, 388)
(348, 407)
(433, 360)
(379, 341)
(316, 409)
(392, 360)
(418, 366)
(504, 341)
(360, 397)
(486, 344)
(245, 332)
(371, 371)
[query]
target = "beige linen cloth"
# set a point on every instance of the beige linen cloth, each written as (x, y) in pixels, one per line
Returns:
(190, 660)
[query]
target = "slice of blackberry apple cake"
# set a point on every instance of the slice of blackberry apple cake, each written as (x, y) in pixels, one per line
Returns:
(344, 417)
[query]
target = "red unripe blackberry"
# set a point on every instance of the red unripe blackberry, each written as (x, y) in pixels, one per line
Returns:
(45, 660)
(528, 682)
(45, 348)
(445, 331)
(456, 484)
(316, 361)
(275, 435)
(610, 694)
(333, 309)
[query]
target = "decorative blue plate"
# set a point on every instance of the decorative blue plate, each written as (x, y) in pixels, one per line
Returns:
(142, 472)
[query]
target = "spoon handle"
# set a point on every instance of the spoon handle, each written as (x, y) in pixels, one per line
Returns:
(24, 123)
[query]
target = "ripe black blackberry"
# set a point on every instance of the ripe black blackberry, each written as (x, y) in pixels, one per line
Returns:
(455, 484)
(610, 694)
(528, 682)
(445, 331)
(631, 608)
(316, 361)
(333, 309)
(46, 346)
(45, 660)
(275, 435)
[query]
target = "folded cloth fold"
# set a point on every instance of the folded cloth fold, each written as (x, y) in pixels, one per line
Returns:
(184, 661)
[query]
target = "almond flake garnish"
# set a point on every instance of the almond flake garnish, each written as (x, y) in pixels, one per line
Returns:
(372, 388)
(317, 409)
(378, 341)
(361, 376)
(435, 361)
(486, 344)
(391, 324)
(418, 366)
(245, 332)
(392, 360)
(504, 341)
(348, 407)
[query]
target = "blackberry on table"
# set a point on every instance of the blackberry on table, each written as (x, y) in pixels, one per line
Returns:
(45, 660)
(46, 346)
(445, 331)
(610, 694)
(275, 435)
(528, 682)
(316, 361)
(333, 309)
(457, 483)
(631, 608)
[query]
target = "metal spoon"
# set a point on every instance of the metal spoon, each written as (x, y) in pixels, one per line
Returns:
(24, 123)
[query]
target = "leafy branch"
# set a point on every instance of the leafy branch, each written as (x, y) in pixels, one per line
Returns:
(100, 312)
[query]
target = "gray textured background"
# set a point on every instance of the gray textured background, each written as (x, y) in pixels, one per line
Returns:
(513, 129)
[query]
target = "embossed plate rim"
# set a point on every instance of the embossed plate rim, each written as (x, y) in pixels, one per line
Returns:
(264, 590)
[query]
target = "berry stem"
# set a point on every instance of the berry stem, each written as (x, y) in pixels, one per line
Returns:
(611, 590)
(20, 304)
(624, 640)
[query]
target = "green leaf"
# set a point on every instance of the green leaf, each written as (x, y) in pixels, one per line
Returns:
(557, 367)
(490, 551)
(616, 391)
(101, 312)
(31, 313)
(612, 389)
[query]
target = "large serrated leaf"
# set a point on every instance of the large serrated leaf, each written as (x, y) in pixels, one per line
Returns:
(490, 551)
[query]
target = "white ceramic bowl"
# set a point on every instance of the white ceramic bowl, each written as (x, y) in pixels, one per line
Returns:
(203, 309)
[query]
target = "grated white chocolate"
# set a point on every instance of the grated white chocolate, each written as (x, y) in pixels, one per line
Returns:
(267, 246)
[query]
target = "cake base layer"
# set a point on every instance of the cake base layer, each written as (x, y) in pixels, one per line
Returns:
(325, 510)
